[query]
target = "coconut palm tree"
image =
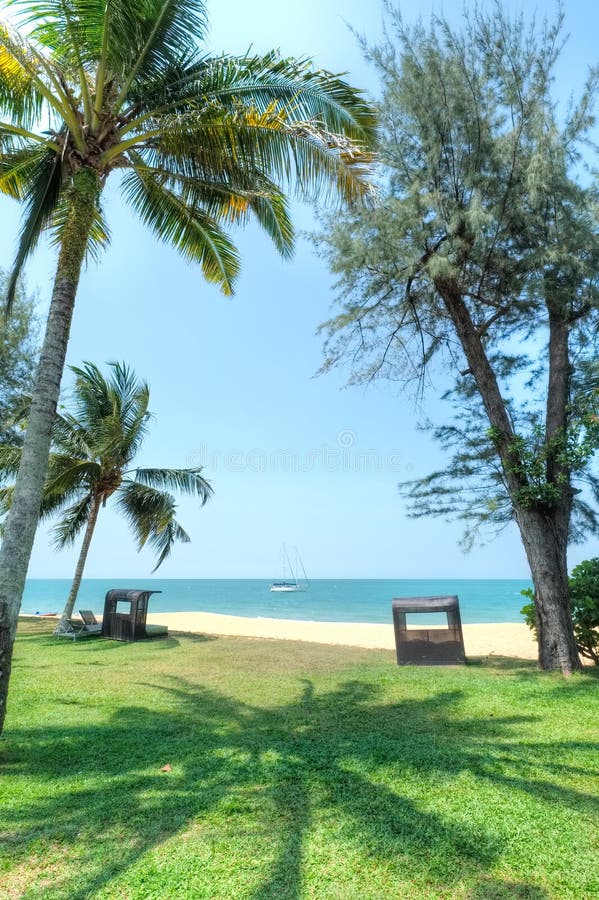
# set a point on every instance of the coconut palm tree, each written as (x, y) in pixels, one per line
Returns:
(91, 461)
(120, 87)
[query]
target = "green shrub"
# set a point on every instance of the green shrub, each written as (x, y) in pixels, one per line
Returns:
(584, 597)
(529, 610)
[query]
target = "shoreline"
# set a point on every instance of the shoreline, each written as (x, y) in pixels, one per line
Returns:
(506, 639)
(489, 639)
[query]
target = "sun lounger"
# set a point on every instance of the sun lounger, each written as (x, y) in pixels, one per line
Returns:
(92, 626)
(74, 628)
(70, 628)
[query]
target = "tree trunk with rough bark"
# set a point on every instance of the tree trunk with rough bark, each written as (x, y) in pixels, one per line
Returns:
(543, 528)
(87, 539)
(545, 542)
(25, 509)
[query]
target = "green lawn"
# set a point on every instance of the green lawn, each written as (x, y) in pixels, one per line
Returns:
(297, 771)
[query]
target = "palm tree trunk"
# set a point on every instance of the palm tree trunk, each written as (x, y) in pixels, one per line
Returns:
(87, 539)
(25, 509)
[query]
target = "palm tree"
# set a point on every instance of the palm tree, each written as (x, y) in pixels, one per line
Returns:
(199, 142)
(91, 461)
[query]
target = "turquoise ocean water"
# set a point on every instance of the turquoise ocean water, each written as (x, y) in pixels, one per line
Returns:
(326, 600)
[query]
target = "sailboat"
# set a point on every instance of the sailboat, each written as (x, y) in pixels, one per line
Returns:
(287, 585)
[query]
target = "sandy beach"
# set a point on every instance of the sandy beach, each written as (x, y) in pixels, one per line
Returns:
(503, 639)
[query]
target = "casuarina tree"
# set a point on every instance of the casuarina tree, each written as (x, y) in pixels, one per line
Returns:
(91, 461)
(96, 88)
(18, 355)
(480, 258)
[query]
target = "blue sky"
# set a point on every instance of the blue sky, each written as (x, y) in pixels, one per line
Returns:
(291, 457)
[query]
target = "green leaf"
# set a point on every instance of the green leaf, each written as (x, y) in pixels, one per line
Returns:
(228, 194)
(306, 94)
(75, 518)
(186, 481)
(19, 97)
(44, 192)
(67, 474)
(189, 229)
(151, 516)
(10, 460)
(321, 163)
(19, 169)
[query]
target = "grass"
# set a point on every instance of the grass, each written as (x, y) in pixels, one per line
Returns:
(297, 771)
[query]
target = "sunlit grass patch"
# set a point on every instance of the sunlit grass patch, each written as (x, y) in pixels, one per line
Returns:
(263, 769)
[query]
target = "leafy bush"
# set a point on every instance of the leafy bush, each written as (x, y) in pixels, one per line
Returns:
(529, 610)
(584, 597)
(584, 594)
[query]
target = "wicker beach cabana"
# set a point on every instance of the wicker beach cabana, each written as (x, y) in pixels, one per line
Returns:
(428, 646)
(125, 613)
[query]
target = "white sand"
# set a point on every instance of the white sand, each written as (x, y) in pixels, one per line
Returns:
(503, 639)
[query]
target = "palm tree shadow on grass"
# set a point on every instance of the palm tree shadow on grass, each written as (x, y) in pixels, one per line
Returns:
(491, 889)
(82, 647)
(315, 758)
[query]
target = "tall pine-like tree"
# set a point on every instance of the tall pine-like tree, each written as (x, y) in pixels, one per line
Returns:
(482, 255)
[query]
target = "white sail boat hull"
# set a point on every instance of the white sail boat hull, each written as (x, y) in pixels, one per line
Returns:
(287, 588)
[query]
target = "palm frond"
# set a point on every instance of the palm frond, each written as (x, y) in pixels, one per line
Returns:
(158, 33)
(6, 495)
(131, 398)
(62, 483)
(66, 474)
(70, 29)
(19, 168)
(132, 394)
(96, 418)
(321, 162)
(134, 429)
(187, 481)
(257, 82)
(45, 184)
(62, 26)
(20, 94)
(74, 519)
(43, 75)
(55, 503)
(151, 516)
(19, 412)
(192, 231)
(111, 415)
(162, 541)
(70, 436)
(10, 460)
(168, 91)
(228, 195)
(14, 137)
(272, 213)
(91, 395)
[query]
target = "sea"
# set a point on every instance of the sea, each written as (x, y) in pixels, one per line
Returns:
(325, 600)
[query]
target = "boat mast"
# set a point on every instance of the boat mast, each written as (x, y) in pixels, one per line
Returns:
(301, 563)
(293, 578)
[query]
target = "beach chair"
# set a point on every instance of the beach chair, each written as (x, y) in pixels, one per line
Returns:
(90, 623)
(83, 627)
(70, 628)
